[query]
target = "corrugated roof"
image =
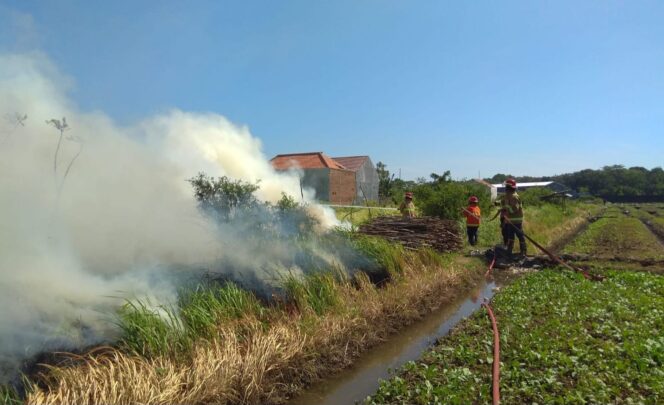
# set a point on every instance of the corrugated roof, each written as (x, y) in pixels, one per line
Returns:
(308, 160)
(531, 184)
(351, 162)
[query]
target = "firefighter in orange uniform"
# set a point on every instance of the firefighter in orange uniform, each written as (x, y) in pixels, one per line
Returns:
(472, 213)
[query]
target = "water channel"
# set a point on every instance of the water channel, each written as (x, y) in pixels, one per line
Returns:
(362, 379)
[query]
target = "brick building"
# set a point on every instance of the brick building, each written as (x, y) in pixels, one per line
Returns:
(366, 177)
(331, 181)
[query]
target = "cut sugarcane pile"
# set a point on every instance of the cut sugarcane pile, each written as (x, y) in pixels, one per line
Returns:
(413, 233)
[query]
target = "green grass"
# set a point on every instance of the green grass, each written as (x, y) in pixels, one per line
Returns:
(564, 340)
(159, 330)
(9, 396)
(652, 215)
(316, 292)
(658, 224)
(617, 235)
(358, 216)
(546, 223)
(151, 331)
(205, 308)
(387, 255)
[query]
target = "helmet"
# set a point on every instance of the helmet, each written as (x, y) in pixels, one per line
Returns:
(473, 199)
(408, 195)
(510, 183)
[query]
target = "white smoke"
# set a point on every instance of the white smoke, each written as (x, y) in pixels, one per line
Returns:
(73, 248)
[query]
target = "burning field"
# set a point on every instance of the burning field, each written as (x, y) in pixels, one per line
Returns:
(171, 286)
(95, 214)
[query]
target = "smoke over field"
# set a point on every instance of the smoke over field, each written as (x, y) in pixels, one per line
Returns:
(110, 215)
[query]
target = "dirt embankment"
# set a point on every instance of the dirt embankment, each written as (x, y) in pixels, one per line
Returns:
(575, 227)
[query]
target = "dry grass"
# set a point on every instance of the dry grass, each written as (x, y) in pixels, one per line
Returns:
(252, 361)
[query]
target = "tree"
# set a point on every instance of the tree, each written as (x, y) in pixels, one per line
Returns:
(384, 181)
(445, 178)
(223, 197)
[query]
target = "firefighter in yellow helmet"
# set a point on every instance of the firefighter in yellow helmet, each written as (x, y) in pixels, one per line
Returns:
(407, 207)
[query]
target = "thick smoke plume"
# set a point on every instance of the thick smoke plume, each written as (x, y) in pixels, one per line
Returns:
(112, 215)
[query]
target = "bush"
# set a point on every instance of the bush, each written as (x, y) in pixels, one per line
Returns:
(532, 197)
(447, 199)
(222, 197)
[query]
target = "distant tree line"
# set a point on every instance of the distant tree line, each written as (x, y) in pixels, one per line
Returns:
(441, 196)
(615, 180)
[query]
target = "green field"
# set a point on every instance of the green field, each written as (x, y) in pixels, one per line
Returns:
(563, 340)
(546, 224)
(617, 235)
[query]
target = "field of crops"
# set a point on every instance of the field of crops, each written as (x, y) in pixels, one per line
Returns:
(652, 215)
(564, 339)
(618, 235)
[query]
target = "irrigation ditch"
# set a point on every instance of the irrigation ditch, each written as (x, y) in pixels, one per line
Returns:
(362, 379)
(607, 334)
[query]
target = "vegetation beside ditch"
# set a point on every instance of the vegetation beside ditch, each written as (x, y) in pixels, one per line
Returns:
(564, 339)
(227, 347)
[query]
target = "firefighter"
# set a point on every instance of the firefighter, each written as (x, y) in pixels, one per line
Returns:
(512, 210)
(407, 207)
(472, 214)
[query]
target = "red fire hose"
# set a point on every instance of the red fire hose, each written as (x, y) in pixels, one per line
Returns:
(493, 262)
(586, 275)
(495, 393)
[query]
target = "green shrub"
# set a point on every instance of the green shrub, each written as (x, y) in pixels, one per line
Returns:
(223, 197)
(447, 199)
(532, 197)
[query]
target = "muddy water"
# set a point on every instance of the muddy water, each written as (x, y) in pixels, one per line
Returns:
(362, 379)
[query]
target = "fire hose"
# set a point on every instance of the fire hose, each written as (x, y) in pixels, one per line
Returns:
(495, 385)
(495, 392)
(555, 258)
(493, 263)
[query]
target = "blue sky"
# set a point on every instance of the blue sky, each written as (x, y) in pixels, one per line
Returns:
(528, 88)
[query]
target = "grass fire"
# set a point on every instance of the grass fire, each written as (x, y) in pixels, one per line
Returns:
(302, 203)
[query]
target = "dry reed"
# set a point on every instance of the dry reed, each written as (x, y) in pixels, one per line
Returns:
(249, 362)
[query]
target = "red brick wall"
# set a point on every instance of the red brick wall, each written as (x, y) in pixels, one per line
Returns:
(342, 186)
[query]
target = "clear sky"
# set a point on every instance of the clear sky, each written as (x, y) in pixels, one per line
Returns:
(527, 87)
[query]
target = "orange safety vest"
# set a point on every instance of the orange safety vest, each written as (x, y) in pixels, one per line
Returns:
(472, 213)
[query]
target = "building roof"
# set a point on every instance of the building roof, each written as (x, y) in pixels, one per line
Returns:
(351, 162)
(526, 185)
(308, 160)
